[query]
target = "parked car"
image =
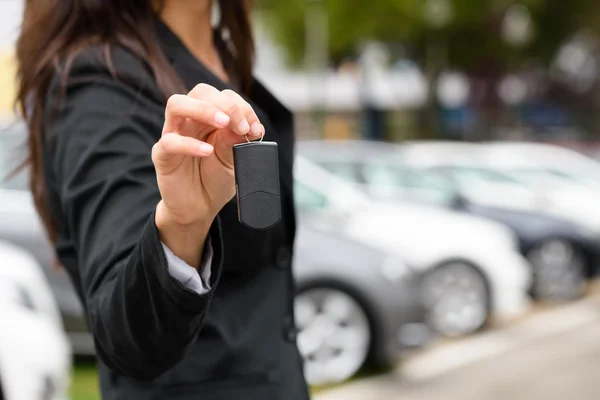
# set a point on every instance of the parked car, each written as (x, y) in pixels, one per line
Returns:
(563, 255)
(497, 175)
(471, 266)
(35, 357)
(354, 304)
(22, 227)
(555, 160)
(569, 181)
(481, 187)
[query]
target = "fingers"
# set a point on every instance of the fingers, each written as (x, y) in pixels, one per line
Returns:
(243, 119)
(211, 110)
(180, 107)
(172, 146)
(250, 123)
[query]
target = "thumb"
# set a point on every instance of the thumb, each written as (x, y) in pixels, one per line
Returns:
(169, 150)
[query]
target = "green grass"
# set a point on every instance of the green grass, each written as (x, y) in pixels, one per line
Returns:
(364, 373)
(85, 380)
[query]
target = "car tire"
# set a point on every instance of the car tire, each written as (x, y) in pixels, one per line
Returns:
(334, 334)
(457, 299)
(559, 271)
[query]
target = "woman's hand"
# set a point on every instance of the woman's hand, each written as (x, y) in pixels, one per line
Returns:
(194, 162)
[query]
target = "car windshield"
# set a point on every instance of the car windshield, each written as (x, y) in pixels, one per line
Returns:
(12, 154)
(386, 180)
(317, 187)
(467, 176)
(547, 175)
(343, 170)
(391, 181)
(308, 199)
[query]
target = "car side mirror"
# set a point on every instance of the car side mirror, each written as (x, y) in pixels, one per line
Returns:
(459, 202)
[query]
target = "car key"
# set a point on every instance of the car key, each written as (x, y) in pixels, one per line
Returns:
(256, 166)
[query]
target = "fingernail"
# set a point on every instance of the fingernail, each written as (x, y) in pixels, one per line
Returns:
(256, 129)
(243, 128)
(221, 118)
(205, 147)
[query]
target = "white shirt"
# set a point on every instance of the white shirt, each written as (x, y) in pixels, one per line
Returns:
(187, 275)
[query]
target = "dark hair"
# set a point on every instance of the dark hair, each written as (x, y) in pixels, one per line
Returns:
(54, 31)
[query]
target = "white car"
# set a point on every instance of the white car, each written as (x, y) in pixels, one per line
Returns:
(569, 180)
(501, 175)
(473, 265)
(35, 355)
(554, 160)
(477, 185)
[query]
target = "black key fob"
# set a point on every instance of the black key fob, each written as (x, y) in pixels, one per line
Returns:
(256, 167)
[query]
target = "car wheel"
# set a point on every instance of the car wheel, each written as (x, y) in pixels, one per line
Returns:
(456, 298)
(559, 271)
(334, 334)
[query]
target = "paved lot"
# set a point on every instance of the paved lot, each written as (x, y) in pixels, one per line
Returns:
(553, 356)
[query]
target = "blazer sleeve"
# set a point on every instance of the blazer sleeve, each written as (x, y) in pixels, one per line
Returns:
(101, 138)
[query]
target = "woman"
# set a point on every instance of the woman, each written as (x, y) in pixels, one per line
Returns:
(133, 108)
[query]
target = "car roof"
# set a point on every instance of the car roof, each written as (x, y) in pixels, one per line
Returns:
(343, 149)
(439, 148)
(410, 151)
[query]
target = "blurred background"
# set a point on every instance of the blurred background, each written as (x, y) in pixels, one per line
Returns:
(447, 185)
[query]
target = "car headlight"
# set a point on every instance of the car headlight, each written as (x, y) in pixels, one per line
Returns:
(394, 269)
(49, 389)
(19, 295)
(25, 298)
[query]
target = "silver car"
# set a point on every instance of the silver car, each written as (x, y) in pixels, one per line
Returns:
(354, 304)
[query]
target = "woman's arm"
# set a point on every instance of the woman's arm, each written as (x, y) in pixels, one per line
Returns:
(101, 143)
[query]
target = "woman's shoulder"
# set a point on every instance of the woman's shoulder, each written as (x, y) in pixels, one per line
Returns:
(115, 65)
(100, 90)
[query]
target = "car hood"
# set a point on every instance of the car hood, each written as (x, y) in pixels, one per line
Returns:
(427, 234)
(341, 251)
(505, 196)
(528, 225)
(22, 269)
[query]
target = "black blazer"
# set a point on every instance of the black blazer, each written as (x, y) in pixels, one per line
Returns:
(155, 339)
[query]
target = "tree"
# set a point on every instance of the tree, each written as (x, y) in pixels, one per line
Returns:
(472, 31)
(468, 35)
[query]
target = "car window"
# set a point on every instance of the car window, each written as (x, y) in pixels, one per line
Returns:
(468, 175)
(343, 170)
(390, 181)
(307, 198)
(533, 175)
(12, 153)
(375, 173)
(382, 182)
